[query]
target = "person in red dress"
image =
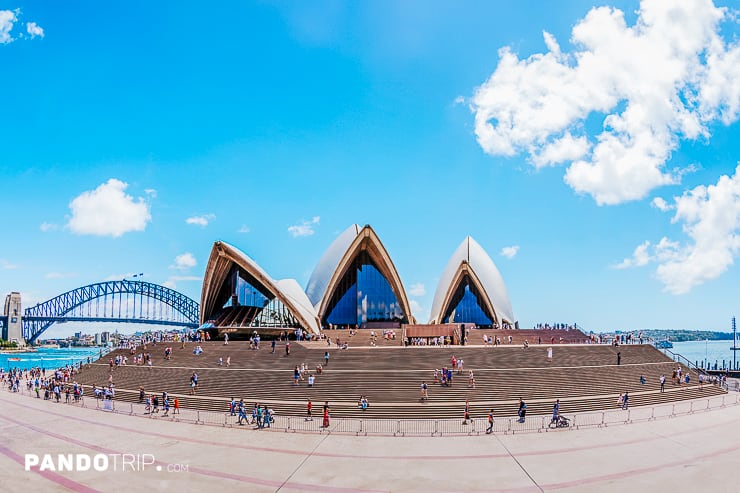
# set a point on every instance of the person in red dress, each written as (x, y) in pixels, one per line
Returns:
(325, 424)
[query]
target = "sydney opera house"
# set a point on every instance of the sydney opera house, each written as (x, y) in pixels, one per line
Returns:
(354, 284)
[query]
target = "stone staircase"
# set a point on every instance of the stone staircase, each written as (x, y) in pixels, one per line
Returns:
(584, 377)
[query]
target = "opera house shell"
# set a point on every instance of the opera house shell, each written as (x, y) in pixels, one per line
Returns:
(238, 295)
(355, 283)
(471, 290)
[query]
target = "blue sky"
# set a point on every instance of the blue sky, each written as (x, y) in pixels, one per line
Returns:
(599, 142)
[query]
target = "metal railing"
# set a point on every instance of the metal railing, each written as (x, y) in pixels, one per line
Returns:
(415, 427)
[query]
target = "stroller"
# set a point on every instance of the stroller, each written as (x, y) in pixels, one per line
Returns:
(560, 422)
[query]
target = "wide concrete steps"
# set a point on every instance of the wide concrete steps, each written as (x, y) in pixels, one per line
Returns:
(585, 378)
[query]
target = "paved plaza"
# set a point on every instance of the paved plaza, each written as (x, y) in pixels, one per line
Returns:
(698, 452)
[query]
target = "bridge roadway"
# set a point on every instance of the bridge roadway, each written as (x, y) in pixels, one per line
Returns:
(697, 452)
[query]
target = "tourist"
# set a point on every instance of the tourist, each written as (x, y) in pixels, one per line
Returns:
(642, 380)
(273, 346)
(555, 412)
(522, 412)
(325, 423)
(228, 361)
(266, 416)
(141, 395)
(287, 348)
(166, 405)
(309, 407)
(701, 380)
(326, 358)
(549, 354)
(296, 375)
(625, 401)
(466, 413)
(310, 380)
(226, 339)
(460, 364)
(242, 413)
(232, 407)
(471, 380)
(220, 361)
(260, 415)
(619, 357)
(662, 383)
(424, 391)
(489, 430)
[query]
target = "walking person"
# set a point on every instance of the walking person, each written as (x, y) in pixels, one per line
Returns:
(424, 394)
(662, 384)
(522, 412)
(466, 413)
(619, 357)
(625, 401)
(549, 354)
(326, 358)
(325, 423)
(555, 412)
(489, 430)
(309, 407)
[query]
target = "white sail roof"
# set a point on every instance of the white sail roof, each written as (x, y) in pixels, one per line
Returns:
(470, 256)
(288, 291)
(328, 263)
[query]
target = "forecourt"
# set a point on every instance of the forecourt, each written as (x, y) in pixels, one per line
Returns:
(697, 452)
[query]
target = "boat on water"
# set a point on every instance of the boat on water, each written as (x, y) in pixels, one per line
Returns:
(663, 344)
(14, 359)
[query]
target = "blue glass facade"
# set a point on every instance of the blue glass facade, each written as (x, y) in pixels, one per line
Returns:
(466, 306)
(363, 295)
(250, 304)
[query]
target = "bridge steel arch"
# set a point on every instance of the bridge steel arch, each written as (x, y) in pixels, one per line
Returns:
(37, 319)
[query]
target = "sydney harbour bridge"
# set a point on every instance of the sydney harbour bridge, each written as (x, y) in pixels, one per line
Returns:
(123, 301)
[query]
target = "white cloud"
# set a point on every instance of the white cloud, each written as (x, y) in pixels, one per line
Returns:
(710, 216)
(510, 251)
(459, 100)
(151, 192)
(7, 20)
(639, 257)
(244, 229)
(667, 78)
(34, 30)
(108, 211)
(305, 228)
(417, 310)
(418, 289)
(184, 261)
(5, 265)
(46, 227)
(201, 220)
(172, 281)
(661, 204)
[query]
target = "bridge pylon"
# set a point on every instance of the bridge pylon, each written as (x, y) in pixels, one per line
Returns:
(13, 327)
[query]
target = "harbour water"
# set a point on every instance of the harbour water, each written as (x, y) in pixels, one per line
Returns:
(50, 358)
(708, 352)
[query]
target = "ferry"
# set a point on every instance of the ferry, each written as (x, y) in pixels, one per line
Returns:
(663, 344)
(14, 359)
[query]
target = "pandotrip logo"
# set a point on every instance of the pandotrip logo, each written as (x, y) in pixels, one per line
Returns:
(99, 463)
